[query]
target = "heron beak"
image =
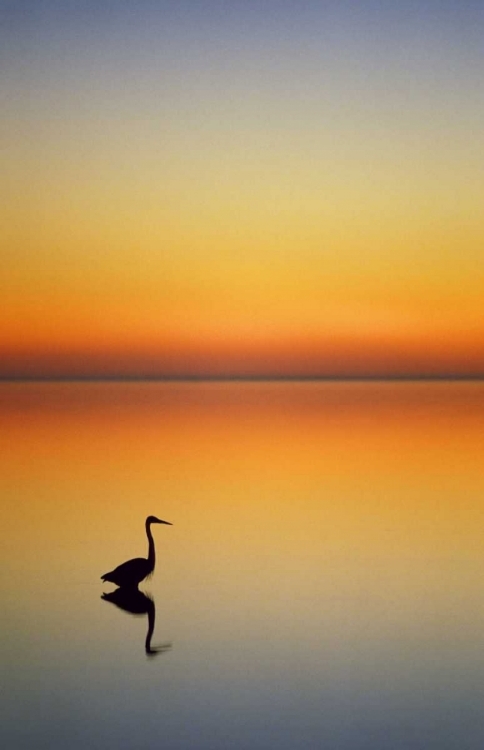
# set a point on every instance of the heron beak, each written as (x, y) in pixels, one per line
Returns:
(167, 522)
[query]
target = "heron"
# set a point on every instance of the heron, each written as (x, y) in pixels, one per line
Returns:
(130, 573)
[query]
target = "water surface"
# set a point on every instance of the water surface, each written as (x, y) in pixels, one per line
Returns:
(322, 584)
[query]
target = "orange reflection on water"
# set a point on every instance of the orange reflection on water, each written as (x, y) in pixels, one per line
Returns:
(392, 455)
(316, 501)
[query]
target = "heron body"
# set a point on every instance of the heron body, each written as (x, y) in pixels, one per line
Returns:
(130, 574)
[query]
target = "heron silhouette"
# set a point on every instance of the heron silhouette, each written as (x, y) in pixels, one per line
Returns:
(130, 573)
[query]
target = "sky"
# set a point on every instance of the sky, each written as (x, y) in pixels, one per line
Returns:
(219, 189)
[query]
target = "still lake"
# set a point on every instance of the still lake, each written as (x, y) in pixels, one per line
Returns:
(322, 584)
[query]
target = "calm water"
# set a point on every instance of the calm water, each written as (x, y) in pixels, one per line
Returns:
(322, 584)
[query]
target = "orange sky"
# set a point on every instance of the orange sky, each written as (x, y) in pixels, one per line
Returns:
(253, 193)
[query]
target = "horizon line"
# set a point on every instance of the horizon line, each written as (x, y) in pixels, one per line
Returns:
(236, 378)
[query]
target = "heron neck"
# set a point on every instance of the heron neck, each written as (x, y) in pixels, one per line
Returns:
(151, 546)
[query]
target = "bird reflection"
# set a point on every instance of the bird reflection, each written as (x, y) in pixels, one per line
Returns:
(136, 602)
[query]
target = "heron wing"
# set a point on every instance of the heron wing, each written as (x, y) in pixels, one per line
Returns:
(137, 565)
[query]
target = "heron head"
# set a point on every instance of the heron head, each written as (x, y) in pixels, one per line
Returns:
(154, 519)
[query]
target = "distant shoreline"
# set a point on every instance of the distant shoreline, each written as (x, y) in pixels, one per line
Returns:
(237, 378)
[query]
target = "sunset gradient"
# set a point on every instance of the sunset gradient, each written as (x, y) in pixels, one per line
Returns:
(244, 189)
